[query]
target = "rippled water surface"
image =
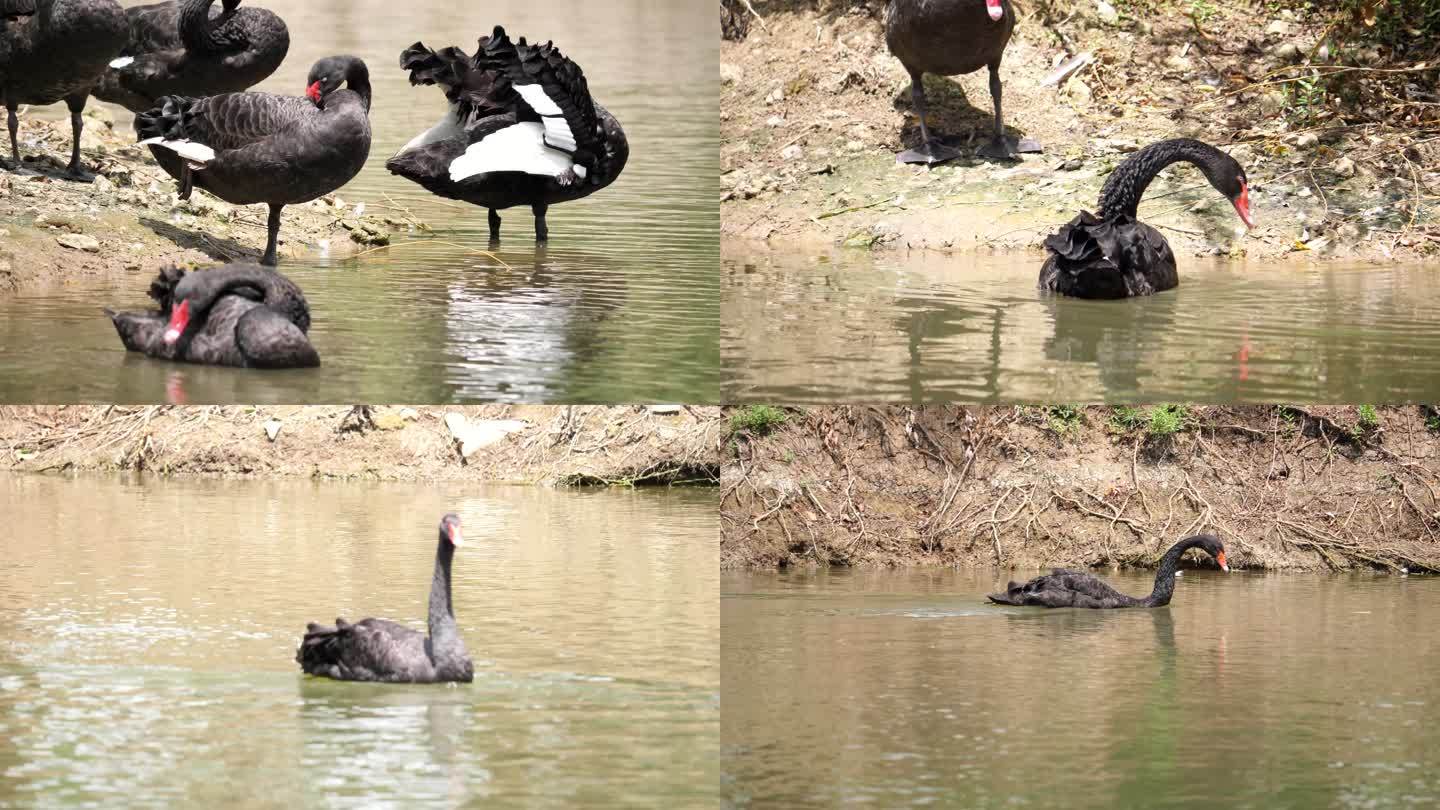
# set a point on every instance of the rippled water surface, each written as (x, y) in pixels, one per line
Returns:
(895, 689)
(845, 325)
(622, 306)
(148, 633)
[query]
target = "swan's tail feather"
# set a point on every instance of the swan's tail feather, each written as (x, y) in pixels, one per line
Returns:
(164, 125)
(319, 651)
(471, 90)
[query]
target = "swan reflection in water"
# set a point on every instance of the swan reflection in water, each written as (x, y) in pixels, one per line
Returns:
(514, 334)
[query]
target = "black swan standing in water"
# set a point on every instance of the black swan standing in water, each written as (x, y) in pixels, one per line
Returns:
(380, 650)
(54, 50)
(238, 315)
(258, 147)
(948, 38)
(521, 129)
(1112, 254)
(1076, 589)
(181, 48)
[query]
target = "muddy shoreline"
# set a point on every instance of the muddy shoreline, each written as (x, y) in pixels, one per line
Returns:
(814, 108)
(1287, 488)
(546, 445)
(54, 231)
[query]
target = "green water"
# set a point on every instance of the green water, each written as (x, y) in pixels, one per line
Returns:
(898, 689)
(148, 633)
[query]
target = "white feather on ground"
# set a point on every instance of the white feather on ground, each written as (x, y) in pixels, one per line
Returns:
(516, 148)
(196, 153)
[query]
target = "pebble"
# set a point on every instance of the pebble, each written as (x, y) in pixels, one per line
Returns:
(792, 152)
(1345, 167)
(79, 241)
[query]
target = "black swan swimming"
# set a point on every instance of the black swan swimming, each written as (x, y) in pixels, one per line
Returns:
(1112, 254)
(948, 38)
(262, 148)
(182, 48)
(521, 129)
(238, 315)
(54, 50)
(1076, 589)
(380, 650)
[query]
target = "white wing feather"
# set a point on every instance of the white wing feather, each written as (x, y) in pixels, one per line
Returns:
(196, 153)
(516, 148)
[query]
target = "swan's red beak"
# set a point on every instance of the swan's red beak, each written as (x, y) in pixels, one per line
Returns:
(995, 10)
(456, 539)
(1242, 206)
(179, 319)
(313, 92)
(1220, 558)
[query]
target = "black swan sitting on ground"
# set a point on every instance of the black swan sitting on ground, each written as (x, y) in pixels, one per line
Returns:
(181, 48)
(238, 315)
(521, 130)
(948, 38)
(1076, 589)
(54, 50)
(258, 147)
(380, 650)
(1112, 254)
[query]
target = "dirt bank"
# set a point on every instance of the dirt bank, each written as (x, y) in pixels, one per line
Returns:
(1309, 489)
(1344, 165)
(551, 445)
(54, 231)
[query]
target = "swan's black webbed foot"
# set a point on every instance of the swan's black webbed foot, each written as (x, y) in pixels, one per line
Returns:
(928, 153)
(79, 174)
(494, 227)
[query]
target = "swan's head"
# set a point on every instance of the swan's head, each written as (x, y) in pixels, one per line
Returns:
(329, 75)
(450, 530)
(1228, 177)
(1212, 546)
(995, 10)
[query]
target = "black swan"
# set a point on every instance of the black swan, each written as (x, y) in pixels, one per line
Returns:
(948, 38)
(238, 315)
(1075, 589)
(258, 147)
(521, 129)
(380, 650)
(181, 48)
(1112, 254)
(54, 50)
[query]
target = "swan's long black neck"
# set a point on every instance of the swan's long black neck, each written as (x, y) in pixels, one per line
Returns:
(276, 291)
(1169, 564)
(1126, 185)
(357, 78)
(196, 30)
(443, 630)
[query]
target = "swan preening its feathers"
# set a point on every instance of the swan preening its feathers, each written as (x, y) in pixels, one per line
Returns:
(1113, 254)
(521, 129)
(237, 315)
(1065, 588)
(186, 47)
(380, 650)
(259, 147)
